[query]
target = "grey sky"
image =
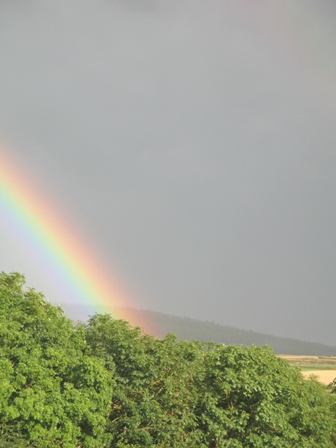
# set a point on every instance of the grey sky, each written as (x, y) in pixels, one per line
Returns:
(192, 141)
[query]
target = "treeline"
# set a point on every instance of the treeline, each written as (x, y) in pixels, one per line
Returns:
(106, 384)
(192, 329)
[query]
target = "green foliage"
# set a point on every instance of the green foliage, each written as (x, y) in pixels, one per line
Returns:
(332, 386)
(156, 392)
(253, 399)
(106, 384)
(53, 392)
(180, 394)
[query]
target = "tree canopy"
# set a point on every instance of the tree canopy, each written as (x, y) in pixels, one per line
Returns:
(107, 384)
(53, 391)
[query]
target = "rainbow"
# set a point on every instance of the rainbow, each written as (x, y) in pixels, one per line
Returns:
(57, 247)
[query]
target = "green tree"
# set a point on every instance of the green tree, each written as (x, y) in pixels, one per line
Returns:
(106, 384)
(253, 399)
(332, 386)
(53, 392)
(155, 392)
(187, 394)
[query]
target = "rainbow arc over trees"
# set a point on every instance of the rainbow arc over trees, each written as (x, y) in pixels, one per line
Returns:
(57, 246)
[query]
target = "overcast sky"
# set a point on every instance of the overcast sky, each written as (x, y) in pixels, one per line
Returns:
(192, 142)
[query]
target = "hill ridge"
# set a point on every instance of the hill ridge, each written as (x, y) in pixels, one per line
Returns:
(194, 329)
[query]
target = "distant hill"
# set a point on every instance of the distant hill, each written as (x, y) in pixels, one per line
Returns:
(192, 329)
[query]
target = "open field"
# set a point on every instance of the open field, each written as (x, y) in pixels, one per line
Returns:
(324, 367)
(324, 376)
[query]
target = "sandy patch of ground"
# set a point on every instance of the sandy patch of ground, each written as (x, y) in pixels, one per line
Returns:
(324, 376)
